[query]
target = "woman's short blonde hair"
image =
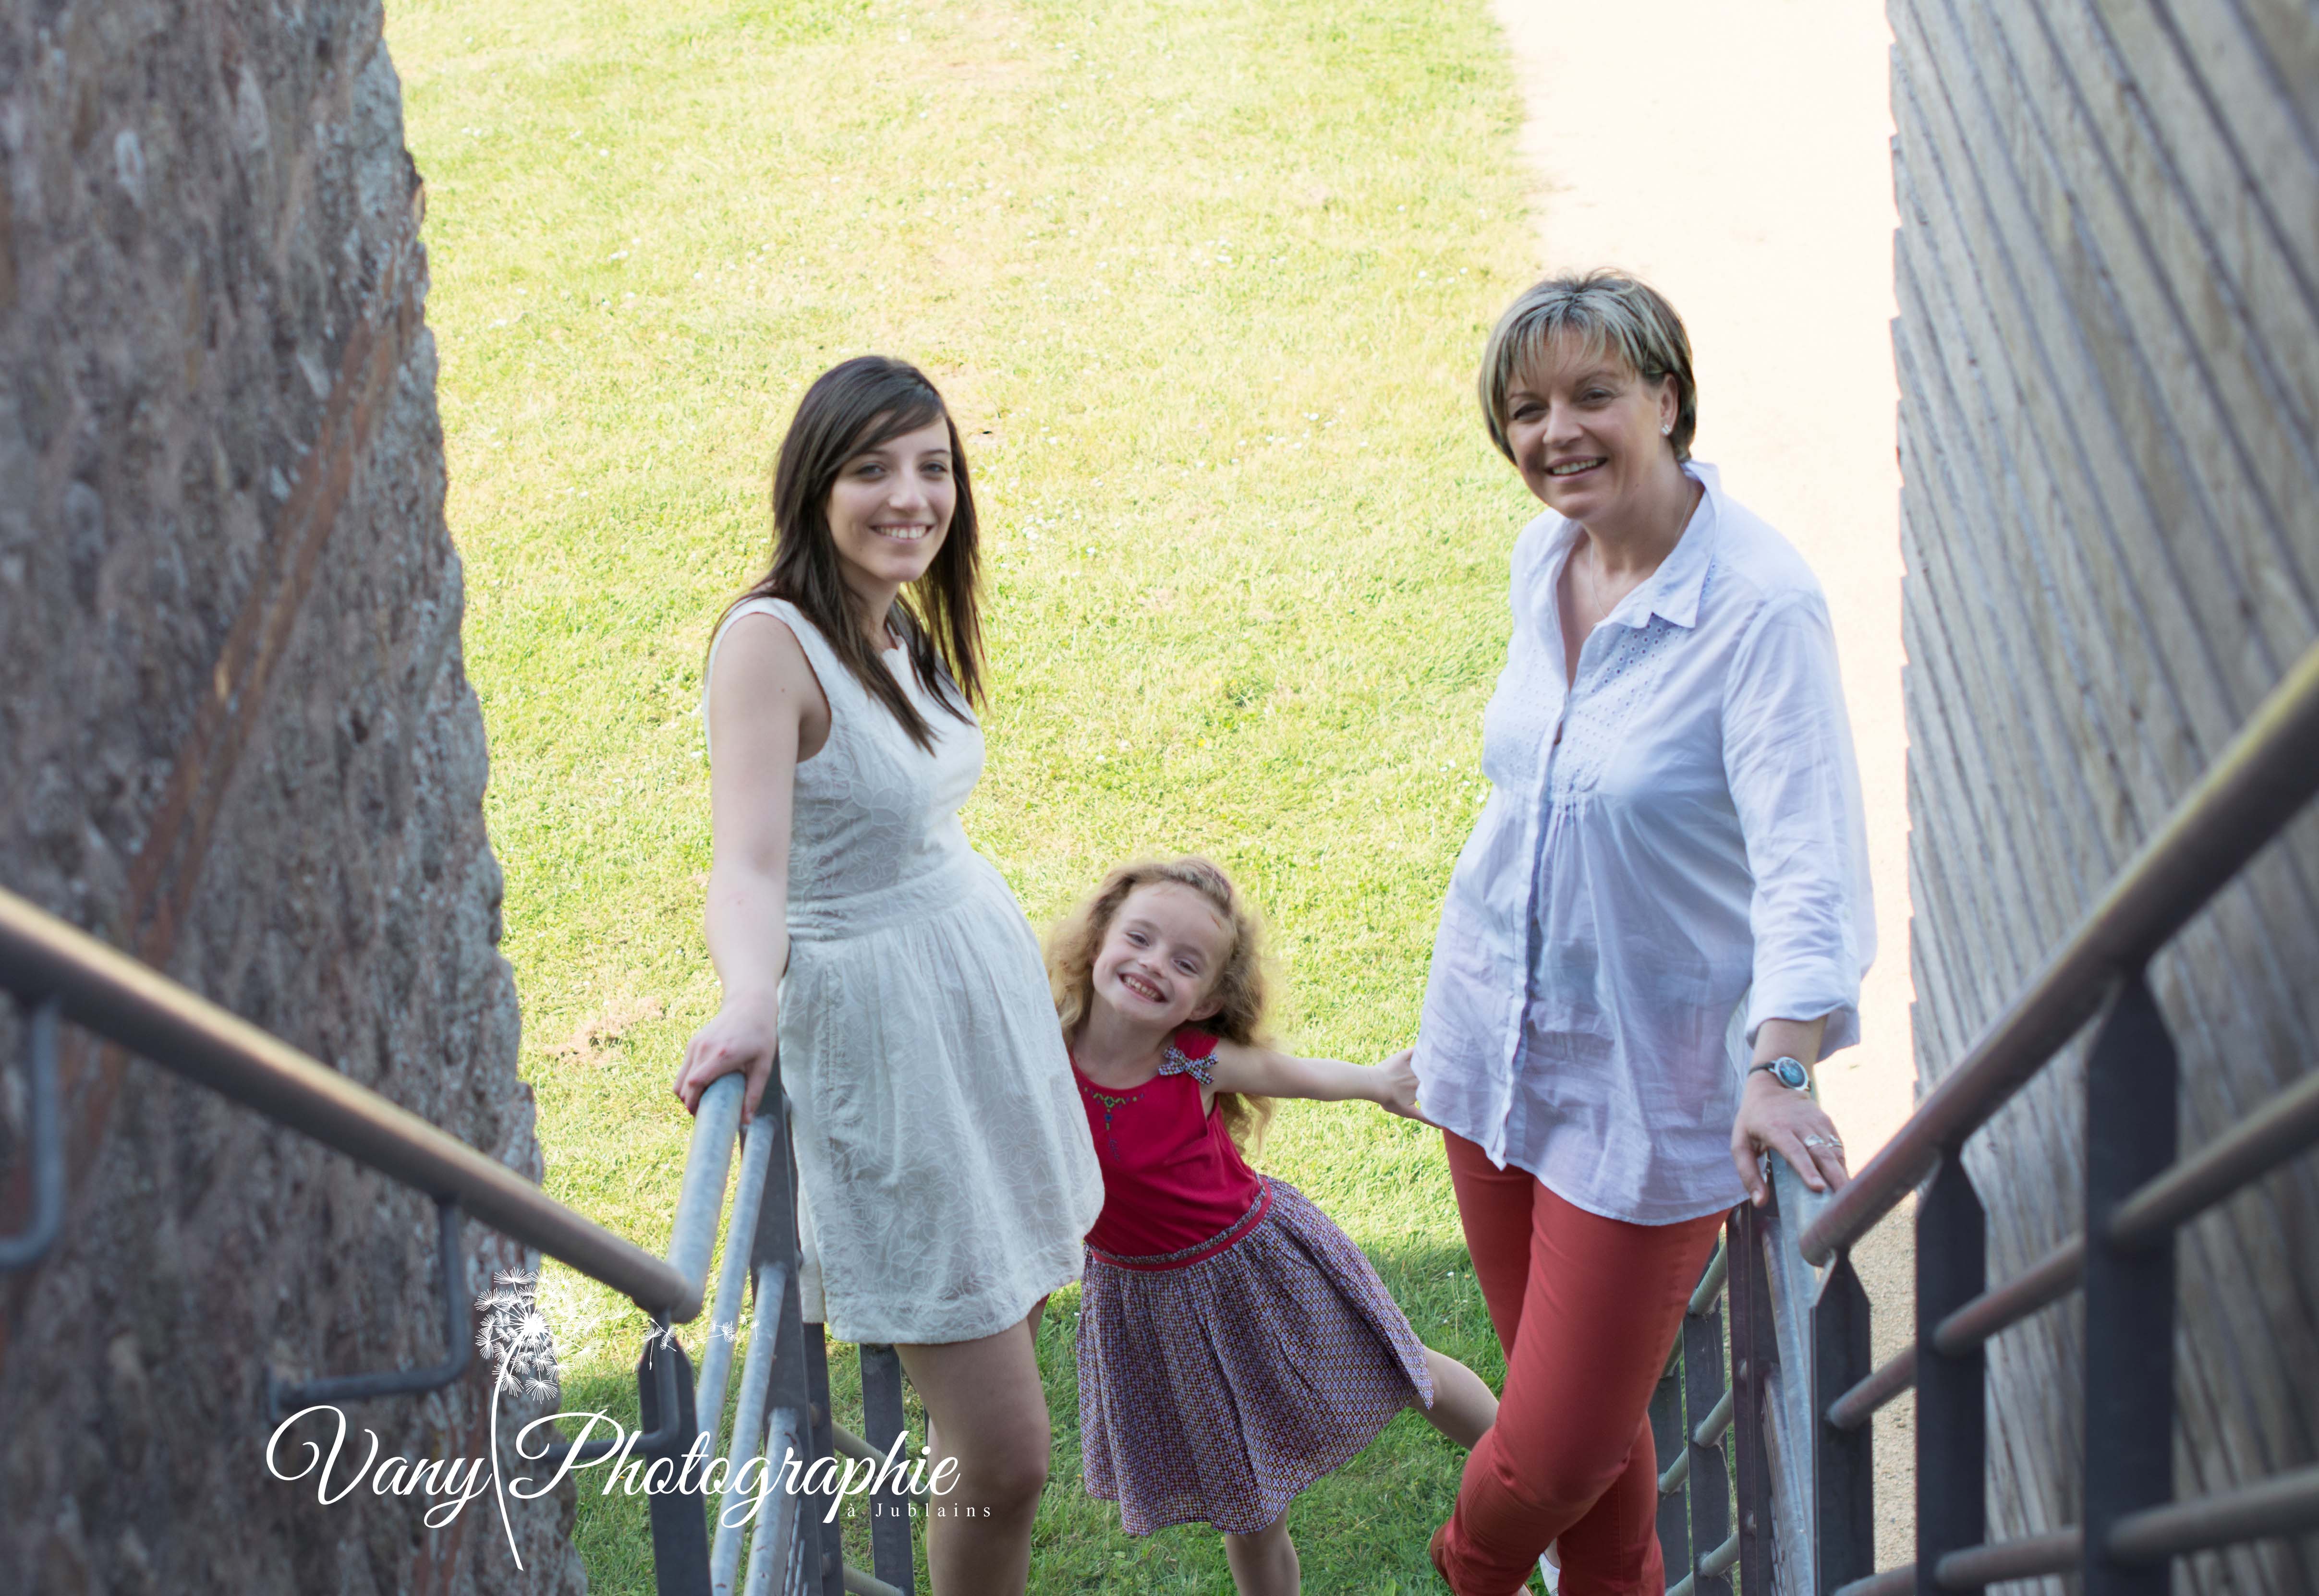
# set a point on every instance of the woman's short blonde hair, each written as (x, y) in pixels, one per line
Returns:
(1612, 313)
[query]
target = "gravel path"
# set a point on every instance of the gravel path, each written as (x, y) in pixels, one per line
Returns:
(1737, 157)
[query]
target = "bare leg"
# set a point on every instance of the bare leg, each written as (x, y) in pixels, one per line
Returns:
(1264, 1564)
(987, 1395)
(933, 1441)
(1463, 1407)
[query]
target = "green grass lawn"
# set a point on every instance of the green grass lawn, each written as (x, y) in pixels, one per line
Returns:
(1205, 283)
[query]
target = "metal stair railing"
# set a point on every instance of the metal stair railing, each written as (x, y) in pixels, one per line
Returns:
(1735, 1467)
(59, 973)
(1783, 1443)
(2138, 1193)
(782, 1408)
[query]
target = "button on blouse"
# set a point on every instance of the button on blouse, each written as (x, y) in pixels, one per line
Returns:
(1688, 860)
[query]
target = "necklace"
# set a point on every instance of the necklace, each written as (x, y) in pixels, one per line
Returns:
(1590, 598)
(1588, 587)
(1593, 609)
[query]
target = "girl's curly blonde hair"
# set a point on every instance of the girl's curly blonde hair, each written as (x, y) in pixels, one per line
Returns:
(1237, 988)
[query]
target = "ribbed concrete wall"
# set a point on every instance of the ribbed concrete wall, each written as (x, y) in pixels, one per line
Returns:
(2108, 355)
(236, 740)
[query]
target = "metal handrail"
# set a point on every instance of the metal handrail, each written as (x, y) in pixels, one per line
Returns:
(2047, 1281)
(1710, 1429)
(2139, 1190)
(107, 992)
(1709, 1288)
(62, 972)
(1894, 1375)
(2267, 773)
(1787, 1427)
(2280, 1506)
(2145, 1219)
(2266, 1138)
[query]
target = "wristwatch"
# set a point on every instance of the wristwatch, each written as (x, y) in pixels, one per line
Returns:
(1787, 1071)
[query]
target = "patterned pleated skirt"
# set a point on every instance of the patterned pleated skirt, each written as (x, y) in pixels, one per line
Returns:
(1215, 1391)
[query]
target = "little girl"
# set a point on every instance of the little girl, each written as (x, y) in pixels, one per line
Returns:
(1233, 1345)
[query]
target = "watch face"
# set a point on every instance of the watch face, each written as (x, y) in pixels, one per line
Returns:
(1791, 1073)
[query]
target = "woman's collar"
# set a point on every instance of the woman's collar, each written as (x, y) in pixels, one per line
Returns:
(1673, 590)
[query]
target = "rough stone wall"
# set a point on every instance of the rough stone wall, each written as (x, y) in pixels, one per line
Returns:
(2108, 354)
(236, 739)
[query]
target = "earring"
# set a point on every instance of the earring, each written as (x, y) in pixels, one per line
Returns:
(1666, 429)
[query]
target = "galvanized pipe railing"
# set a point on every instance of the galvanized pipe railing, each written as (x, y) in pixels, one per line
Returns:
(1742, 1442)
(781, 1422)
(2138, 1195)
(732, 1281)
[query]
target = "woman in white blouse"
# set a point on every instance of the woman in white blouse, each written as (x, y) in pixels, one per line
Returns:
(1658, 926)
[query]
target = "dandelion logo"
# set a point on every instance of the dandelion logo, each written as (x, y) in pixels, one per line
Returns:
(513, 1334)
(516, 1322)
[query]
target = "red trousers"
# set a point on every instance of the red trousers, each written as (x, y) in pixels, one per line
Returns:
(1587, 1308)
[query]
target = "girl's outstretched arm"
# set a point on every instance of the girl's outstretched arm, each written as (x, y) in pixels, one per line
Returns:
(1265, 1072)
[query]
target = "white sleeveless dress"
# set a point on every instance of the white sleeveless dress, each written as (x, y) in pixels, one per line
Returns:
(942, 1154)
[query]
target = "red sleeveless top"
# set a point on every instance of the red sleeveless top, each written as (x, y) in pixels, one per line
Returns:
(1174, 1188)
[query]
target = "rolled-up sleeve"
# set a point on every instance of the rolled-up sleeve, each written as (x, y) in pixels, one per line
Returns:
(1787, 753)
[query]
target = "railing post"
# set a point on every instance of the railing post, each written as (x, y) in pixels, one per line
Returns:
(2131, 1117)
(1754, 1354)
(679, 1527)
(1668, 1438)
(1951, 1413)
(801, 1359)
(1710, 1482)
(881, 1423)
(1843, 1465)
(44, 1134)
(800, 1383)
(825, 1560)
(458, 1339)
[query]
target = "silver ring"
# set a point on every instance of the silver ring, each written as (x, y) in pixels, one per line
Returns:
(1822, 1142)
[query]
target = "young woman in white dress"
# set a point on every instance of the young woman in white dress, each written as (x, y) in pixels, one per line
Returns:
(942, 1156)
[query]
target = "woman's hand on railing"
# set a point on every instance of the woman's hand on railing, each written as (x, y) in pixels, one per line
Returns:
(741, 1038)
(1777, 1119)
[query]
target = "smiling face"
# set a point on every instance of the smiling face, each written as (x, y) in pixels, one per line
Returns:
(889, 509)
(1585, 430)
(1158, 961)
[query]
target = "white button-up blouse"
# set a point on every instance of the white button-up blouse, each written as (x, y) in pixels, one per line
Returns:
(1673, 852)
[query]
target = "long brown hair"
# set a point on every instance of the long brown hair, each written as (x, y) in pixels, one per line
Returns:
(854, 406)
(1237, 988)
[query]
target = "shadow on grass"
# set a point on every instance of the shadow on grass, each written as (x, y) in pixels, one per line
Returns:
(1361, 1529)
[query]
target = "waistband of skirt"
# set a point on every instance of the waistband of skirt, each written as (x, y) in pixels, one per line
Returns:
(1223, 1241)
(837, 919)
